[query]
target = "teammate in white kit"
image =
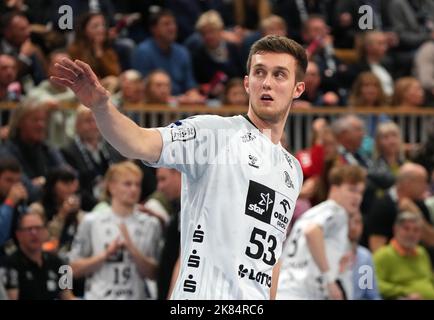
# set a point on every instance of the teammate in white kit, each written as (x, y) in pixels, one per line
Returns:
(316, 253)
(239, 185)
(117, 249)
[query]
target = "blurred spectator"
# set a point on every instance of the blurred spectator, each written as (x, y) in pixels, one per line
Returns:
(35, 10)
(161, 52)
(27, 143)
(61, 124)
(366, 92)
(346, 21)
(169, 184)
(413, 22)
(10, 89)
(117, 249)
(13, 198)
(17, 43)
(91, 156)
(272, 25)
(214, 60)
(389, 149)
(61, 203)
(407, 194)
(235, 93)
(296, 12)
(319, 48)
(92, 46)
(373, 58)
(403, 267)
(158, 87)
(313, 96)
(424, 69)
(408, 93)
(364, 279)
(425, 154)
(32, 274)
(132, 89)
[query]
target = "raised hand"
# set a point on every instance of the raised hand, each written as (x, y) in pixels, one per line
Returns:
(80, 78)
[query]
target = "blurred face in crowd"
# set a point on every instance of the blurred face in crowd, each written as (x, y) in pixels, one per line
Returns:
(316, 28)
(389, 142)
(165, 30)
(133, 91)
(18, 31)
(65, 189)
(158, 88)
(277, 29)
(376, 45)
(96, 29)
(125, 188)
(408, 233)
(237, 96)
(370, 92)
(329, 144)
(7, 180)
(414, 95)
(348, 195)
(355, 227)
(86, 127)
(33, 126)
(211, 35)
(272, 86)
(416, 184)
(8, 70)
(352, 138)
(312, 78)
(169, 183)
(32, 233)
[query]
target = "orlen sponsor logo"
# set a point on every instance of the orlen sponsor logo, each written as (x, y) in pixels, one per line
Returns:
(260, 277)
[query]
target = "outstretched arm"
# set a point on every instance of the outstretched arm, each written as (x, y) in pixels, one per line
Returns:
(122, 133)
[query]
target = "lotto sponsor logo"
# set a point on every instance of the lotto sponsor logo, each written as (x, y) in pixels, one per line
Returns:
(258, 276)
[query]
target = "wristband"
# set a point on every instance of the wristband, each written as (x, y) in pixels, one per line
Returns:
(327, 277)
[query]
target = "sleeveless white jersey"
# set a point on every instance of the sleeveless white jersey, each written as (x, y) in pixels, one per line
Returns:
(238, 196)
(299, 275)
(118, 278)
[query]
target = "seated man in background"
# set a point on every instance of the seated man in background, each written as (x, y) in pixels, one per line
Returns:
(32, 274)
(403, 267)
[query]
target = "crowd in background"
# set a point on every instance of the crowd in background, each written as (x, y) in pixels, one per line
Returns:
(59, 177)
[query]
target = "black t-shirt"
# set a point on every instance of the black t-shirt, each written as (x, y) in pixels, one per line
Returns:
(32, 281)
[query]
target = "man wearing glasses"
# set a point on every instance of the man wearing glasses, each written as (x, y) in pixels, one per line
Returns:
(31, 273)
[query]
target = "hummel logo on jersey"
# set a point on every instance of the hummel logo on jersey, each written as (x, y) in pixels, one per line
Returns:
(288, 180)
(252, 161)
(248, 137)
(259, 202)
(288, 159)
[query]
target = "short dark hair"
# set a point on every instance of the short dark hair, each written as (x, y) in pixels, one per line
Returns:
(351, 174)
(155, 17)
(280, 44)
(9, 164)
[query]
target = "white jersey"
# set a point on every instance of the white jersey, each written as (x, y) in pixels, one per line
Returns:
(238, 196)
(118, 278)
(299, 275)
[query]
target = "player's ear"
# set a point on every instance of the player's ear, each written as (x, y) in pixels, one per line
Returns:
(298, 90)
(246, 84)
